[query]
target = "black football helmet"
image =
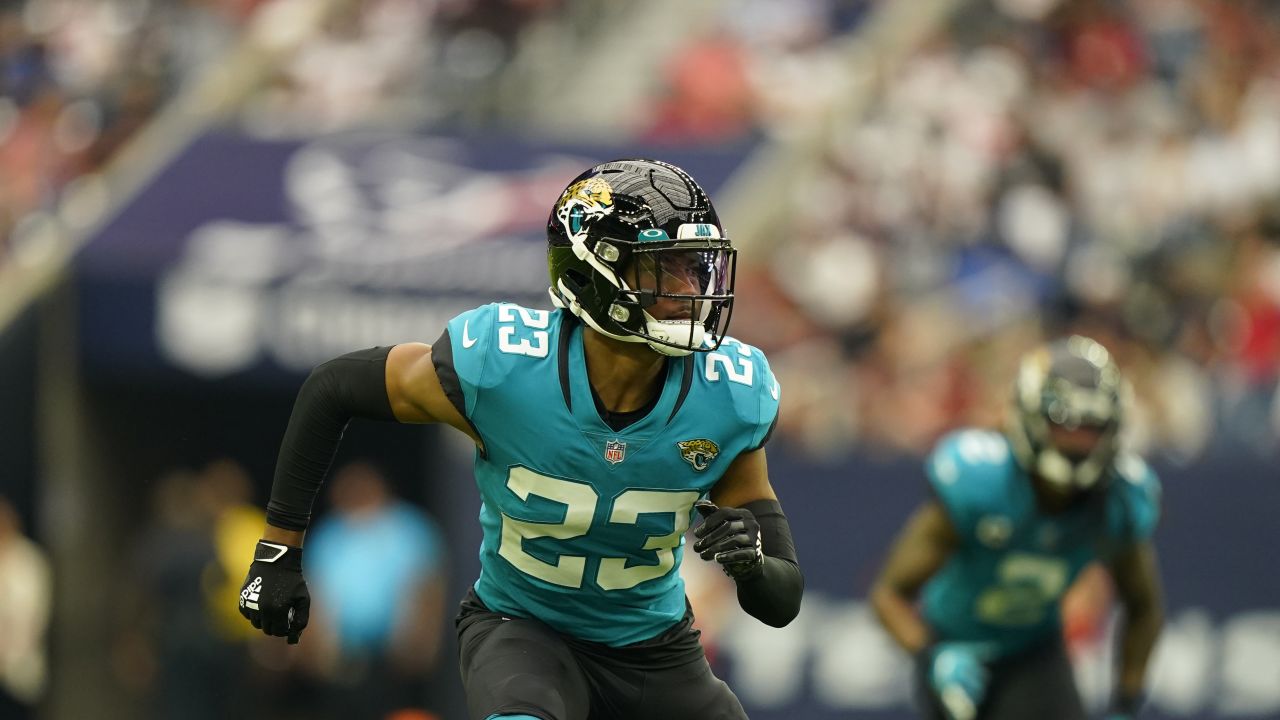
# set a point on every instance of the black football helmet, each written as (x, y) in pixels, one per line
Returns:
(636, 251)
(1072, 383)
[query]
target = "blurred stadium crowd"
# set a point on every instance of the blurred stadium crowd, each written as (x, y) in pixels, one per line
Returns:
(1109, 168)
(81, 77)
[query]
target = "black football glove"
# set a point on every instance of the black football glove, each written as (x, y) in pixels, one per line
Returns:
(274, 596)
(731, 537)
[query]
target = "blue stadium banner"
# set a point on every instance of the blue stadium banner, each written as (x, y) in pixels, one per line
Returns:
(263, 258)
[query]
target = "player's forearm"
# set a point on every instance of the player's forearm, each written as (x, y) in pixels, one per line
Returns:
(1137, 639)
(352, 385)
(900, 618)
(773, 595)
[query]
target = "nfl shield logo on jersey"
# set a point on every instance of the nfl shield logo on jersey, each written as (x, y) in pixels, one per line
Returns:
(615, 451)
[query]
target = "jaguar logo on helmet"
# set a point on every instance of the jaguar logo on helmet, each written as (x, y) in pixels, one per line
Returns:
(583, 202)
(699, 453)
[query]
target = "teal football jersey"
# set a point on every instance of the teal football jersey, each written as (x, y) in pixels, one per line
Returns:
(583, 525)
(1005, 581)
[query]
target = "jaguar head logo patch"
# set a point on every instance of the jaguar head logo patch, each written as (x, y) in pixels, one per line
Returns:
(698, 453)
(584, 202)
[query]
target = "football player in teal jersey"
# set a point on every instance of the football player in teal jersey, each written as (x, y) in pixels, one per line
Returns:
(598, 425)
(1013, 518)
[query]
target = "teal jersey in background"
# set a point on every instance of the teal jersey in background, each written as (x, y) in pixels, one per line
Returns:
(584, 526)
(1005, 581)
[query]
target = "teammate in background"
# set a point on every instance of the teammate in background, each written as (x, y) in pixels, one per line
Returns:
(1014, 517)
(597, 426)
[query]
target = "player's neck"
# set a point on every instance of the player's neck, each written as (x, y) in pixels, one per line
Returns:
(624, 375)
(1051, 502)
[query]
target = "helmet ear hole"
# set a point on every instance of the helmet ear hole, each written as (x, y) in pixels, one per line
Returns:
(575, 279)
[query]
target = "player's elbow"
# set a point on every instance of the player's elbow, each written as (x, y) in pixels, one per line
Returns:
(881, 596)
(789, 614)
(1143, 602)
(886, 595)
(780, 614)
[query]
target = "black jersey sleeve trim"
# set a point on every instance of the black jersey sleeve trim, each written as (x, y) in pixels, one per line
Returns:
(686, 383)
(562, 359)
(442, 358)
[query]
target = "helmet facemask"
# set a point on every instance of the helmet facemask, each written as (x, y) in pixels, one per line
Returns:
(674, 295)
(1071, 390)
(636, 251)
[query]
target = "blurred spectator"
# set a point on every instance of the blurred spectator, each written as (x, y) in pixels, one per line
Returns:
(739, 76)
(26, 589)
(707, 96)
(395, 62)
(180, 651)
(376, 570)
(237, 526)
(351, 72)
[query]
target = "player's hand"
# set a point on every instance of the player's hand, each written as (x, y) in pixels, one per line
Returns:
(957, 673)
(274, 596)
(731, 537)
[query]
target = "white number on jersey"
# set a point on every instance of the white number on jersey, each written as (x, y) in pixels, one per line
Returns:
(1028, 584)
(537, 344)
(743, 373)
(580, 502)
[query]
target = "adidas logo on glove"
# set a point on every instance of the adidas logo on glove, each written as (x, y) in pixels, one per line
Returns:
(249, 595)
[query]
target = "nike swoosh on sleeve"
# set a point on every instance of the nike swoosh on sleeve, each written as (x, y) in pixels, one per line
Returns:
(467, 340)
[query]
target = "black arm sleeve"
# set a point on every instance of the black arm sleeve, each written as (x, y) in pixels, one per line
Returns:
(773, 595)
(353, 385)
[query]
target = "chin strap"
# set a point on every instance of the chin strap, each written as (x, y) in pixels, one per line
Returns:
(562, 298)
(663, 330)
